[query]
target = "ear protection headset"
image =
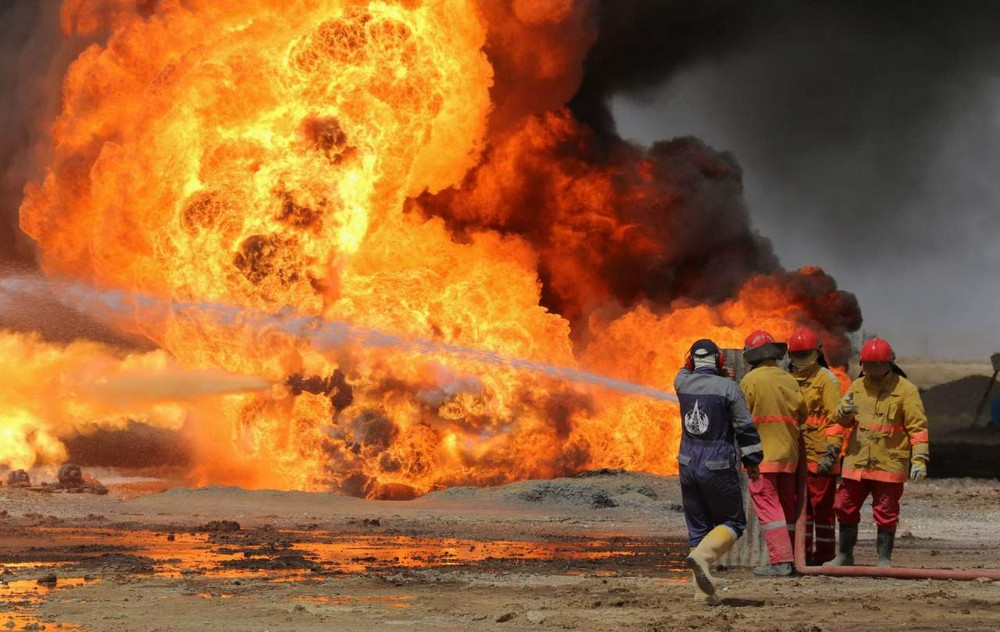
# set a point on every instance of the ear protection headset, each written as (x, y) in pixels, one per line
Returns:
(720, 361)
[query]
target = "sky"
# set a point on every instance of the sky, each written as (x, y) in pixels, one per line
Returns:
(870, 146)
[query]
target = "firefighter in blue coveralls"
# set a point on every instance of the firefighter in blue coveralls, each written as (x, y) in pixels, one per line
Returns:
(713, 413)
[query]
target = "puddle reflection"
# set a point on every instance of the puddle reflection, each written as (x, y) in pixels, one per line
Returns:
(279, 554)
(352, 554)
(19, 597)
(271, 555)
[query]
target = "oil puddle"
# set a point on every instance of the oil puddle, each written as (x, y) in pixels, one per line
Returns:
(18, 598)
(284, 554)
(351, 554)
(212, 563)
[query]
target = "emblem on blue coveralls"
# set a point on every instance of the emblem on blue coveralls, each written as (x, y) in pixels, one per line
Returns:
(696, 421)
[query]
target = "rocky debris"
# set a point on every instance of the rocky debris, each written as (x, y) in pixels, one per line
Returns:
(18, 478)
(262, 559)
(220, 526)
(48, 580)
(120, 563)
(263, 548)
(70, 475)
(70, 479)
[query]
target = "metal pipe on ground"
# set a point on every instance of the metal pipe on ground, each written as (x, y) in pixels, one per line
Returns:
(865, 571)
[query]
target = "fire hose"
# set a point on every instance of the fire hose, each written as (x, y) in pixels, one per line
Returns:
(864, 571)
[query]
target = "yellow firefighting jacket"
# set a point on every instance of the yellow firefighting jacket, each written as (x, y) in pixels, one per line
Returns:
(821, 390)
(779, 412)
(888, 428)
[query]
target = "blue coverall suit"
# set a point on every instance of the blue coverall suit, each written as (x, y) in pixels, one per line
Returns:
(714, 413)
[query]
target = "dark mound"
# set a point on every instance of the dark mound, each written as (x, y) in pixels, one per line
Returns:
(137, 445)
(957, 448)
(958, 398)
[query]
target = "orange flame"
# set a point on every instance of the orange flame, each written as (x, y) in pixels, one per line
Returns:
(262, 153)
(51, 392)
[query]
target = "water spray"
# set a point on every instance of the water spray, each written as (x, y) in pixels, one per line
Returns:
(323, 334)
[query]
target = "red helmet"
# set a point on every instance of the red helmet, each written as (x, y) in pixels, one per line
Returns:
(757, 339)
(803, 340)
(877, 350)
(760, 346)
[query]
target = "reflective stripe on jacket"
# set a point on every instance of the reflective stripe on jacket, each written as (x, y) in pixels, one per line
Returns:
(821, 391)
(889, 427)
(779, 412)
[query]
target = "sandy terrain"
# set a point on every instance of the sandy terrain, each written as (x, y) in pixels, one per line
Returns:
(591, 553)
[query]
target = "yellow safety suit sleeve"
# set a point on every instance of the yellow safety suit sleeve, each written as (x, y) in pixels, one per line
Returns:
(915, 422)
(831, 401)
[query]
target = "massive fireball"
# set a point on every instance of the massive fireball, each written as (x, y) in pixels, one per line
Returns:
(410, 167)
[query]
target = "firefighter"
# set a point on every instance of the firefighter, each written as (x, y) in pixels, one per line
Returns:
(714, 413)
(824, 438)
(779, 413)
(888, 444)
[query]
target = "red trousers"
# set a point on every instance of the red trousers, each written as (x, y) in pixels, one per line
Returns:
(821, 519)
(773, 496)
(885, 502)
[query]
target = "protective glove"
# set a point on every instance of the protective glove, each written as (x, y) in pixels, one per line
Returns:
(918, 469)
(828, 460)
(847, 407)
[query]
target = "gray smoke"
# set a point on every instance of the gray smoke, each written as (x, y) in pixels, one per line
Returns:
(869, 135)
(34, 57)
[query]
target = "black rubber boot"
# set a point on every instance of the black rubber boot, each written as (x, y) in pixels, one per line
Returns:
(845, 547)
(884, 544)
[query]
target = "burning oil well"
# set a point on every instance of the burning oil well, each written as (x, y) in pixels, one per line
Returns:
(411, 168)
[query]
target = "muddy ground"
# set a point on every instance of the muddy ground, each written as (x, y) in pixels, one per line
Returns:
(596, 552)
